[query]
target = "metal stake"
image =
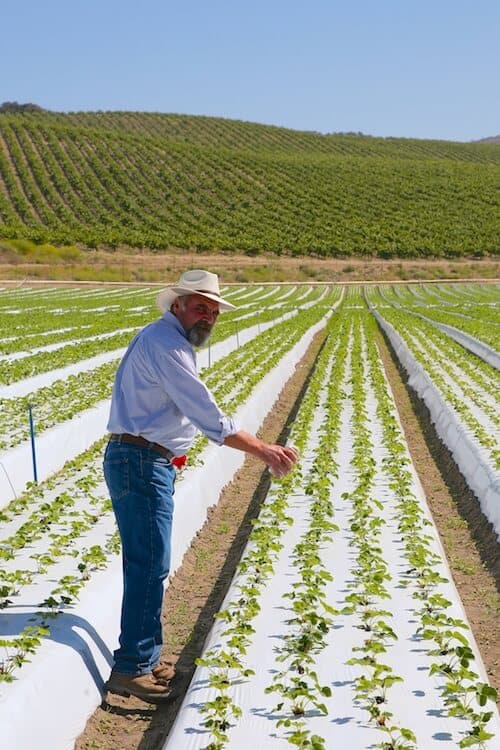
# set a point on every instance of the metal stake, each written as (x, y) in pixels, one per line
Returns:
(33, 452)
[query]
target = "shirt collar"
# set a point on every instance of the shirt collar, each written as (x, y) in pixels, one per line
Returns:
(173, 321)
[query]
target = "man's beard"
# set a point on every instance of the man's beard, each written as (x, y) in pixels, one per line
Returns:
(199, 333)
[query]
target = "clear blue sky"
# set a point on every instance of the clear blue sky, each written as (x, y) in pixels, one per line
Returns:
(421, 68)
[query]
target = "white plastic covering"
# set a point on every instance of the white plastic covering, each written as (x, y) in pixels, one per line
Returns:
(61, 443)
(474, 345)
(470, 458)
(416, 703)
(57, 445)
(48, 705)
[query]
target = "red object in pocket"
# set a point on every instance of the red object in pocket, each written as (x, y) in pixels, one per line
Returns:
(179, 461)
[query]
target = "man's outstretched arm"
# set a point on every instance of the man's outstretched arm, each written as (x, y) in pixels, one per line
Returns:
(279, 458)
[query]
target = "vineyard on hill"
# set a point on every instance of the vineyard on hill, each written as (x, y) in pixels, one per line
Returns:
(205, 184)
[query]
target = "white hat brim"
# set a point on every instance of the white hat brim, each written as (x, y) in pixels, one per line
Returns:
(166, 297)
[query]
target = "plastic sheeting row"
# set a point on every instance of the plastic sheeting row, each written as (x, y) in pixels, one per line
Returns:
(62, 685)
(469, 457)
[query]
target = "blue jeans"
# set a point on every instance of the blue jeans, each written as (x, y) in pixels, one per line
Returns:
(141, 486)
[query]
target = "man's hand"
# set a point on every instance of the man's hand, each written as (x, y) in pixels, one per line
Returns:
(282, 460)
(279, 458)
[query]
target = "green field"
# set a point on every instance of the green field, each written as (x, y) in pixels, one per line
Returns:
(207, 184)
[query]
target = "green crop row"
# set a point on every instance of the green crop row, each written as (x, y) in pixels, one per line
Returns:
(226, 663)
(99, 336)
(47, 514)
(472, 310)
(461, 396)
(464, 694)
(106, 179)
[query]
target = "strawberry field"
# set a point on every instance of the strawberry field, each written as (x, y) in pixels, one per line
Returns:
(342, 626)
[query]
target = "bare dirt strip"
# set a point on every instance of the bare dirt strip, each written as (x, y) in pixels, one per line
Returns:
(196, 591)
(128, 265)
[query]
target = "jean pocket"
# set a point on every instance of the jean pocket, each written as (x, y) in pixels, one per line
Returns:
(117, 476)
(152, 458)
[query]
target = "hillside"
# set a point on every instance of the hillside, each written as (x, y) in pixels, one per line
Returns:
(490, 139)
(174, 181)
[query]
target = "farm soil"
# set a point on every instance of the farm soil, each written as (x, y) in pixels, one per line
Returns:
(196, 591)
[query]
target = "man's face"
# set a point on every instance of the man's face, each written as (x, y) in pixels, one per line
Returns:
(197, 315)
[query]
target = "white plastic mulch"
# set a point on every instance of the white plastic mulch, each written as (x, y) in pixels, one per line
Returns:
(470, 456)
(58, 444)
(416, 703)
(62, 685)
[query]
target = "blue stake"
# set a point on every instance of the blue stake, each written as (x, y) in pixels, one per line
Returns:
(32, 434)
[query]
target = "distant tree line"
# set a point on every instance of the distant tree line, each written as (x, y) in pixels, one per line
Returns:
(16, 107)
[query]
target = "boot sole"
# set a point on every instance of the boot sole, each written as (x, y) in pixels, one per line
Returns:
(147, 698)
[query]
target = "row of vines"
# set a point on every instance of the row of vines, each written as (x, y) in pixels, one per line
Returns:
(211, 184)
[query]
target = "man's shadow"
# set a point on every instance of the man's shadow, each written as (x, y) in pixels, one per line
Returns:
(64, 629)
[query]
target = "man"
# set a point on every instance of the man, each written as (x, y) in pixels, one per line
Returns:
(157, 406)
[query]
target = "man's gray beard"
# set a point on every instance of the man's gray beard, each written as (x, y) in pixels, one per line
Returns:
(199, 334)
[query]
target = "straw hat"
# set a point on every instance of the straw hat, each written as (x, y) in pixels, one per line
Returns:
(194, 282)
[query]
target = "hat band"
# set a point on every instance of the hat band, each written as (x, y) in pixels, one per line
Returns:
(207, 291)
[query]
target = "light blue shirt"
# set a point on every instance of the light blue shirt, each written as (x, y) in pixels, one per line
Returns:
(158, 394)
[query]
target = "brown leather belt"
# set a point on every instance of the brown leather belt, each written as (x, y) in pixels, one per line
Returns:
(124, 437)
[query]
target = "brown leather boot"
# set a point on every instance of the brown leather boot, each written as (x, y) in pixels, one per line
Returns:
(164, 671)
(143, 686)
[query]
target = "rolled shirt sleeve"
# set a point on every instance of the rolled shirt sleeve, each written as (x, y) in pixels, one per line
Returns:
(177, 372)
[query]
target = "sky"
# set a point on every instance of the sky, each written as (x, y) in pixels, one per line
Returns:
(402, 68)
